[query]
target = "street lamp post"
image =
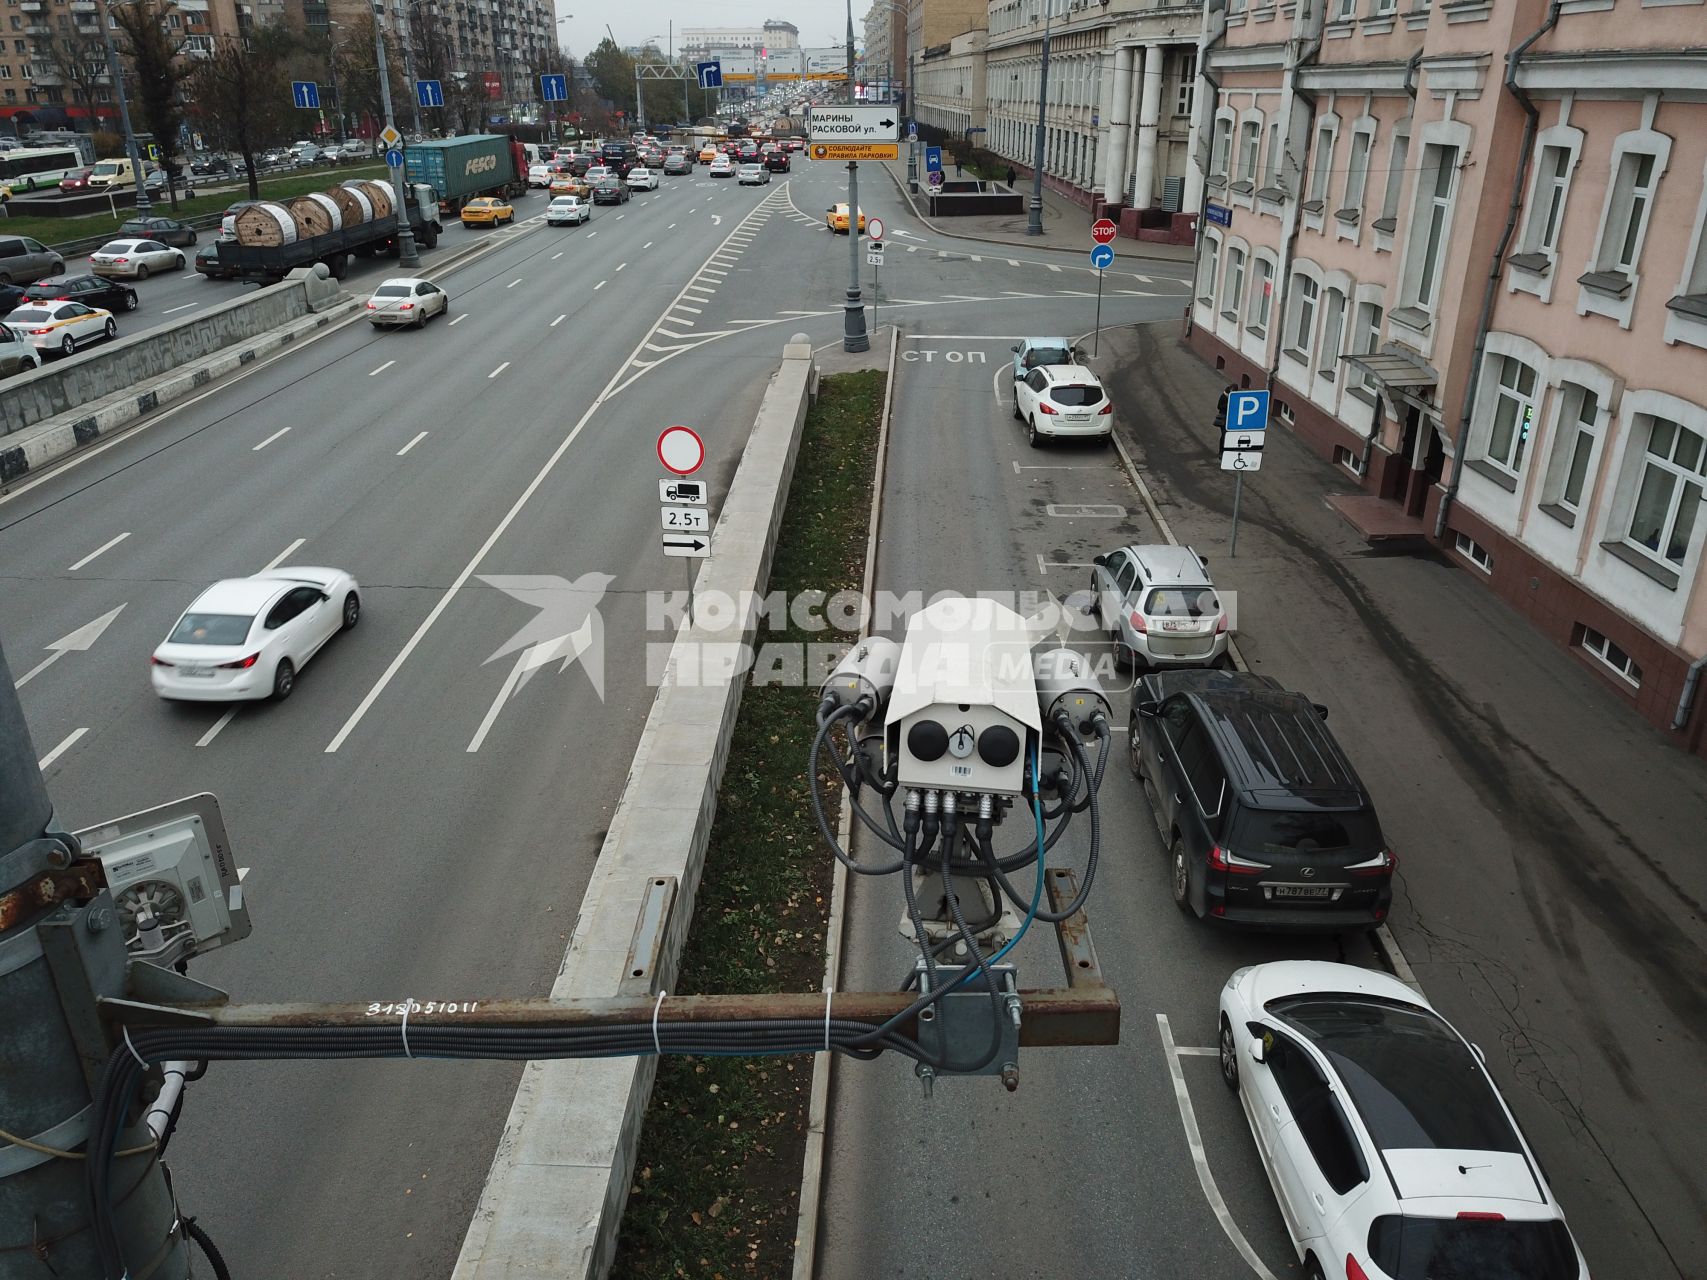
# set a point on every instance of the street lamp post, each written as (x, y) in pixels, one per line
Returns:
(143, 204)
(854, 336)
(407, 254)
(1034, 216)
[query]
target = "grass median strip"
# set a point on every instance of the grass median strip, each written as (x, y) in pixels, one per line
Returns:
(717, 1179)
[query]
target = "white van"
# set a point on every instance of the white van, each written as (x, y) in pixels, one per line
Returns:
(113, 173)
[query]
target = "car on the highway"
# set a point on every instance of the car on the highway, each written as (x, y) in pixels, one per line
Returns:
(76, 180)
(836, 218)
(17, 353)
(165, 230)
(778, 161)
(598, 173)
(208, 264)
(23, 259)
(212, 167)
(567, 184)
(676, 164)
(1031, 352)
(610, 191)
(135, 259)
(580, 163)
(1159, 606)
(305, 154)
(642, 179)
(487, 211)
(1266, 823)
(353, 150)
(539, 175)
(406, 300)
(708, 154)
(91, 291)
(752, 175)
(1061, 401)
(567, 211)
(722, 167)
(797, 144)
(61, 328)
(11, 296)
(246, 638)
(1386, 1142)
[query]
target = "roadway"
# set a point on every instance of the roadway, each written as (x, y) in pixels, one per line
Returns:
(411, 829)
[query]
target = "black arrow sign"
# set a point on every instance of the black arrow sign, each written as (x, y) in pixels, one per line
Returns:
(887, 124)
(695, 544)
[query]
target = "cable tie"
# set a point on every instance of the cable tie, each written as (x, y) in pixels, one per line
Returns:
(656, 1047)
(404, 1027)
(133, 1053)
(829, 994)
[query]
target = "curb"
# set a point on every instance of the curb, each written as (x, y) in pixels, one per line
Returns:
(817, 1116)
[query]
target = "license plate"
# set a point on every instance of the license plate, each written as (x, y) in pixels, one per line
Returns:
(1316, 892)
(194, 669)
(1178, 624)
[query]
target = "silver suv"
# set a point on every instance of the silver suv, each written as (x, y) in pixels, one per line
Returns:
(1160, 608)
(24, 261)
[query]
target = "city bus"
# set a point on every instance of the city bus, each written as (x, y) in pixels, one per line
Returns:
(30, 167)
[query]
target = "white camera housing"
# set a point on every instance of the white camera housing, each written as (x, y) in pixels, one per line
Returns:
(1066, 683)
(866, 674)
(173, 863)
(963, 713)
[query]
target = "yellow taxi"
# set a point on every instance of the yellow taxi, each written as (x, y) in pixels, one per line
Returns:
(489, 212)
(707, 154)
(836, 218)
(567, 184)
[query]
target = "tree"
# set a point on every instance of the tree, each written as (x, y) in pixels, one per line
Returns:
(358, 70)
(242, 94)
(613, 75)
(159, 73)
(78, 56)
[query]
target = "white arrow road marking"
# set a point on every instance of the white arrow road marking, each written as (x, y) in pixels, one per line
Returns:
(896, 231)
(61, 749)
(105, 546)
(716, 221)
(79, 641)
(568, 647)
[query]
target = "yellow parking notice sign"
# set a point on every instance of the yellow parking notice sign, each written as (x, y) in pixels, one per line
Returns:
(854, 150)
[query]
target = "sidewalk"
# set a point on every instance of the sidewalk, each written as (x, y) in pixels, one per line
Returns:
(1551, 876)
(1065, 225)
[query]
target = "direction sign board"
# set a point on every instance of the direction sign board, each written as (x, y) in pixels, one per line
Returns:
(689, 491)
(1103, 230)
(305, 94)
(1247, 411)
(852, 124)
(1242, 460)
(693, 546)
(874, 231)
(429, 93)
(554, 88)
(686, 520)
(854, 150)
(390, 137)
(710, 74)
(681, 450)
(1102, 256)
(933, 159)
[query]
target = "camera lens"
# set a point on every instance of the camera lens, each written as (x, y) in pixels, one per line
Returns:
(927, 740)
(998, 745)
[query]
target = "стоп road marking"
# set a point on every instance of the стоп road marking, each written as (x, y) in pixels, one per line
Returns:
(372, 373)
(280, 432)
(218, 724)
(282, 556)
(61, 749)
(499, 369)
(105, 546)
(417, 440)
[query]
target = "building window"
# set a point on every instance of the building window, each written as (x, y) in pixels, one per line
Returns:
(1573, 447)
(1397, 157)
(1333, 330)
(1627, 221)
(1322, 164)
(1439, 172)
(1208, 267)
(1514, 415)
(1262, 291)
(1609, 654)
(1235, 293)
(1381, 8)
(1366, 339)
(1271, 171)
(1304, 293)
(1668, 498)
(1250, 142)
(1352, 462)
(1473, 551)
(1223, 142)
(1345, 10)
(1357, 170)
(1187, 92)
(1548, 210)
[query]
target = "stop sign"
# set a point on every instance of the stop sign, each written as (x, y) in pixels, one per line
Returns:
(1103, 230)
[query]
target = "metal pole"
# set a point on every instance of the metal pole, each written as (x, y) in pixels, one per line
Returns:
(407, 255)
(1034, 219)
(639, 100)
(1238, 492)
(912, 137)
(854, 337)
(46, 1042)
(117, 77)
(1096, 332)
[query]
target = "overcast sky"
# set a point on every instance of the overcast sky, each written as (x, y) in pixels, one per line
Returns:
(821, 22)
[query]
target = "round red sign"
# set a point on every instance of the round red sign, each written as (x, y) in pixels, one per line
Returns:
(681, 450)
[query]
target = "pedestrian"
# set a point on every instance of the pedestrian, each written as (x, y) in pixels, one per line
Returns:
(957, 164)
(1011, 175)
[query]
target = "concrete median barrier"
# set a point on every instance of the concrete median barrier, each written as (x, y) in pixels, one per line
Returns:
(553, 1201)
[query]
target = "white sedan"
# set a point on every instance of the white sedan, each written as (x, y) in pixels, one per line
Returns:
(406, 300)
(60, 328)
(721, 167)
(1063, 400)
(752, 175)
(1389, 1149)
(642, 180)
(246, 638)
(539, 175)
(567, 211)
(135, 258)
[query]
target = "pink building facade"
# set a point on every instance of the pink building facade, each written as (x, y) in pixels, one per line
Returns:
(1463, 245)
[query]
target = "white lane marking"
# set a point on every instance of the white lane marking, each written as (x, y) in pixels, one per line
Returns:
(280, 432)
(188, 306)
(621, 216)
(647, 245)
(417, 440)
(499, 369)
(560, 319)
(1013, 262)
(374, 373)
(620, 266)
(1086, 510)
(591, 234)
(1197, 1051)
(695, 209)
(671, 227)
(1194, 1140)
(1044, 566)
(218, 724)
(1053, 267)
(105, 546)
(1019, 467)
(282, 556)
(513, 283)
(61, 749)
(976, 258)
(460, 318)
(682, 320)
(557, 255)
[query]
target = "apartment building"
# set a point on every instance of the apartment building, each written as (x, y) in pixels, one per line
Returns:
(1463, 244)
(1122, 91)
(950, 94)
(707, 42)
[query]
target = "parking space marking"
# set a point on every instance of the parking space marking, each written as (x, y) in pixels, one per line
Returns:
(61, 749)
(1086, 510)
(460, 319)
(1194, 1140)
(1044, 566)
(282, 556)
(499, 369)
(280, 432)
(1042, 466)
(104, 547)
(417, 440)
(218, 724)
(374, 373)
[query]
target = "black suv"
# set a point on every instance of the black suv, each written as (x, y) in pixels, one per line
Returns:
(1265, 820)
(618, 158)
(777, 161)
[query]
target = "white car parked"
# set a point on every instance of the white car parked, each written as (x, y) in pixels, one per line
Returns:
(1392, 1155)
(1062, 400)
(567, 211)
(135, 259)
(405, 300)
(642, 180)
(61, 328)
(246, 638)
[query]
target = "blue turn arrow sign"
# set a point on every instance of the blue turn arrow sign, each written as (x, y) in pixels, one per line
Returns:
(1102, 256)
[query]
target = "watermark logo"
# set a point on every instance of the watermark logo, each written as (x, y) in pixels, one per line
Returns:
(567, 627)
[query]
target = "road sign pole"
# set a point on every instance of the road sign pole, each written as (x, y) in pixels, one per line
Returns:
(1238, 492)
(1096, 331)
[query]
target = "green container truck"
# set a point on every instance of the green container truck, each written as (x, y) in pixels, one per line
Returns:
(475, 164)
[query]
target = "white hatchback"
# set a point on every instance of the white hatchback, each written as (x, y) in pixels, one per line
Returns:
(135, 259)
(567, 211)
(642, 180)
(1392, 1155)
(1063, 400)
(246, 638)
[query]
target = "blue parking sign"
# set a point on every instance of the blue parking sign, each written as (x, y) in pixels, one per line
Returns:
(1247, 411)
